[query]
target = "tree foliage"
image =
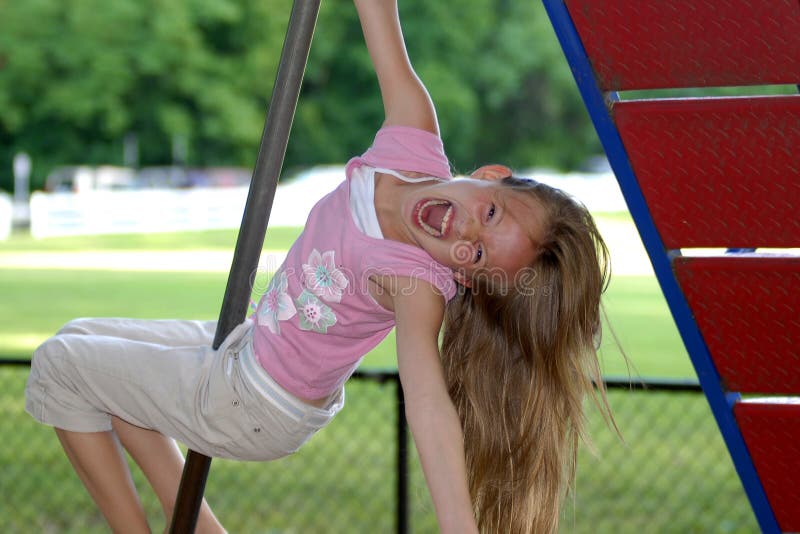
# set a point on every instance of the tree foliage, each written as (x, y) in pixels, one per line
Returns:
(78, 76)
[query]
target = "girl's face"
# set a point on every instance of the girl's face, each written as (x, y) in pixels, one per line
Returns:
(475, 225)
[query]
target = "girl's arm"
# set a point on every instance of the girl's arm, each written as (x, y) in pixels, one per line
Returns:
(431, 414)
(405, 100)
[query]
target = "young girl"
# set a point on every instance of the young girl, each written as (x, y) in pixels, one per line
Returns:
(512, 268)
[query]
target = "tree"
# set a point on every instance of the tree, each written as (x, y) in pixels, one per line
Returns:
(78, 76)
(502, 87)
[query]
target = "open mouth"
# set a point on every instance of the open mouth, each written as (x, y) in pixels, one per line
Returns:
(434, 216)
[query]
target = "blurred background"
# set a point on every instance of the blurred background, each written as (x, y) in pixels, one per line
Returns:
(186, 82)
(128, 130)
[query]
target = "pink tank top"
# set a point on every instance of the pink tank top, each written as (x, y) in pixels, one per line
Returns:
(317, 320)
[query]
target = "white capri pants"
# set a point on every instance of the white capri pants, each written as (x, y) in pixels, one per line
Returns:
(163, 375)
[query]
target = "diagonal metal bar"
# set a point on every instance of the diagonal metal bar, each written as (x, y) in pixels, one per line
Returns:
(250, 241)
(402, 462)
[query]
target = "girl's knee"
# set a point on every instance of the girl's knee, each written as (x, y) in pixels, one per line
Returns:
(50, 354)
(80, 326)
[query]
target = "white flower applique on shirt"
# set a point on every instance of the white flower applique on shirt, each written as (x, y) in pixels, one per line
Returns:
(323, 281)
(314, 314)
(322, 277)
(277, 305)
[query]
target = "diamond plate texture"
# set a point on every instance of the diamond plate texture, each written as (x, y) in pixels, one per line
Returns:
(649, 44)
(721, 172)
(717, 172)
(746, 307)
(772, 434)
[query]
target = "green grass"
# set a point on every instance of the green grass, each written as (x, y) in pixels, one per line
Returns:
(639, 319)
(279, 238)
(35, 303)
(38, 302)
(671, 475)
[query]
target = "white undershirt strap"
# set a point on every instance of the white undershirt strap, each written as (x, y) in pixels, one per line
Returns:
(362, 197)
(408, 178)
(362, 202)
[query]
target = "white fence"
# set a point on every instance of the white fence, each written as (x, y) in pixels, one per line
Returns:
(173, 210)
(136, 211)
(6, 215)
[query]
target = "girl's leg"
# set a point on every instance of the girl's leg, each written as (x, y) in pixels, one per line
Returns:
(167, 332)
(161, 462)
(98, 459)
(184, 391)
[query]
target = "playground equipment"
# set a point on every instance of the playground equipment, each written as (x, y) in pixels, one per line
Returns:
(719, 173)
(695, 172)
(250, 241)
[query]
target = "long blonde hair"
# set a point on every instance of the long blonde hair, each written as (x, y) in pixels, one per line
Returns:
(519, 364)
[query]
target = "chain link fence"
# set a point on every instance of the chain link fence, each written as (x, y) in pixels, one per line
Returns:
(671, 473)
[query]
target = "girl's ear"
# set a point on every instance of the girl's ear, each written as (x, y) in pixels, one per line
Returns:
(491, 172)
(461, 278)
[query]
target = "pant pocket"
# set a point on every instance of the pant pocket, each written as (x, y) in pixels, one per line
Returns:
(221, 409)
(270, 435)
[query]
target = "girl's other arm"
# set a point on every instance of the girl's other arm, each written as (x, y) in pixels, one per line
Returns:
(431, 414)
(406, 102)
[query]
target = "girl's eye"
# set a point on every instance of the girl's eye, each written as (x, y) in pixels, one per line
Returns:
(491, 212)
(478, 254)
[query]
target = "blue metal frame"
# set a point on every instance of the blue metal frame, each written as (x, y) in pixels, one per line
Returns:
(661, 259)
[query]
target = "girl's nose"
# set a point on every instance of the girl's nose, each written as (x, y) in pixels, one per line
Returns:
(467, 230)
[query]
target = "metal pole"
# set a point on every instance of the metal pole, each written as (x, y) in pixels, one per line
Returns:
(250, 241)
(402, 461)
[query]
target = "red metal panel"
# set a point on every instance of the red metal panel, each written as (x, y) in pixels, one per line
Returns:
(747, 308)
(646, 44)
(772, 433)
(717, 172)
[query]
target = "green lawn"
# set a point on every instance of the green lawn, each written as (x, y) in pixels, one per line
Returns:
(671, 475)
(36, 302)
(276, 238)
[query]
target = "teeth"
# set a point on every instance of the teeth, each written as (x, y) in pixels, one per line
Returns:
(428, 228)
(446, 218)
